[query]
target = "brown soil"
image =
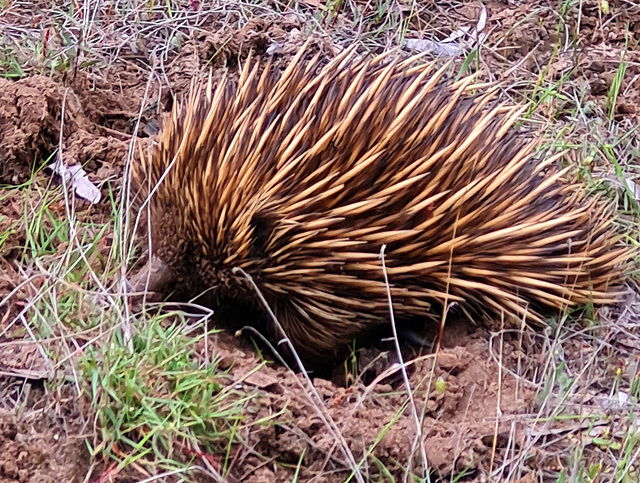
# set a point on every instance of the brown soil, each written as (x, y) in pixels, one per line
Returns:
(40, 447)
(459, 423)
(106, 110)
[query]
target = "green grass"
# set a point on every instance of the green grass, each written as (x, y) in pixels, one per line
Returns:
(161, 406)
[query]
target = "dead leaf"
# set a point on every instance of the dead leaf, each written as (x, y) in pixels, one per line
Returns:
(79, 180)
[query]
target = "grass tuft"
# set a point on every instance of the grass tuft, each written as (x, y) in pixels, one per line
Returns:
(158, 405)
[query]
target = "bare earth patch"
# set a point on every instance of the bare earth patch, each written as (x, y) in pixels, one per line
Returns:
(460, 418)
(37, 448)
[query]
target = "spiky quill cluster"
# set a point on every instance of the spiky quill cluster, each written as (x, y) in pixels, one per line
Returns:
(300, 178)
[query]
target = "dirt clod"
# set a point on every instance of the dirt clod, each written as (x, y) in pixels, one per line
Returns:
(31, 119)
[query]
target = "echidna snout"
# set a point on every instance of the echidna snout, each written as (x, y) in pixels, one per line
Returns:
(154, 276)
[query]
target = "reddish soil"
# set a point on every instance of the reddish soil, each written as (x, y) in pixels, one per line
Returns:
(459, 423)
(31, 118)
(101, 120)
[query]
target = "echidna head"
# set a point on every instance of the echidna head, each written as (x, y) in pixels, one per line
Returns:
(166, 266)
(188, 258)
(154, 276)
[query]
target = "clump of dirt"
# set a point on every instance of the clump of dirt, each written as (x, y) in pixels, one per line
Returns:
(30, 113)
(40, 447)
(37, 115)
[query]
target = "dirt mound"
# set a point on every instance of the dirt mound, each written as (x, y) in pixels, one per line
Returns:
(30, 113)
(38, 114)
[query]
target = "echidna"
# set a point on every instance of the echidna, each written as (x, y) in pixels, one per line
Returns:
(300, 178)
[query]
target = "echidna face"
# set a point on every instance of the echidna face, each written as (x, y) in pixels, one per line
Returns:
(166, 268)
(182, 264)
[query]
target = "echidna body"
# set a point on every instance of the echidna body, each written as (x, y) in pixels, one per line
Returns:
(299, 179)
